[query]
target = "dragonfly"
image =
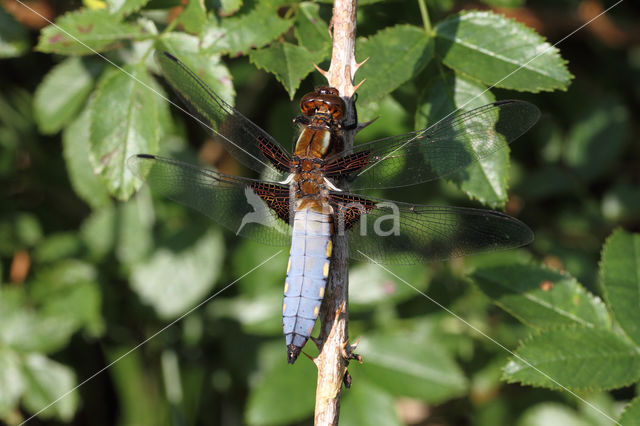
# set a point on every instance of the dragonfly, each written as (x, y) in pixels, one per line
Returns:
(300, 198)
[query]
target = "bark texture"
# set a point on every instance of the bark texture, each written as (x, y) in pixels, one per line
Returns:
(331, 363)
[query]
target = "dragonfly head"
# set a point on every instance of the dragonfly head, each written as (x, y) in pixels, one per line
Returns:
(323, 100)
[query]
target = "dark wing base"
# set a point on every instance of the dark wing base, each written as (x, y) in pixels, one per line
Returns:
(391, 232)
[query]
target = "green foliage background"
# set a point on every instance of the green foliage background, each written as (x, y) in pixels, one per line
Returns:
(92, 264)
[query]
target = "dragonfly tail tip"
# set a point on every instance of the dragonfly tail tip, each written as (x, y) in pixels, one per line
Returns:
(292, 353)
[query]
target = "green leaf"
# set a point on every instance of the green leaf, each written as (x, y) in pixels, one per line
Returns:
(266, 405)
(135, 219)
(410, 364)
(124, 122)
(504, 3)
(24, 330)
(597, 140)
(48, 380)
(490, 48)
(174, 280)
(310, 30)
(139, 402)
(228, 7)
(484, 180)
(68, 291)
(258, 314)
(369, 286)
(551, 413)
(57, 246)
(75, 150)
(396, 55)
(12, 380)
(98, 232)
(14, 38)
(367, 404)
(86, 31)
(240, 33)
(193, 17)
(288, 62)
(541, 298)
(27, 229)
(63, 92)
(125, 7)
(631, 414)
(208, 66)
(577, 358)
(620, 276)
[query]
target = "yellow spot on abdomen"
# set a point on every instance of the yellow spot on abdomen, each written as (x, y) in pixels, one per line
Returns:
(286, 286)
(289, 265)
(329, 248)
(284, 307)
(321, 293)
(316, 310)
(325, 270)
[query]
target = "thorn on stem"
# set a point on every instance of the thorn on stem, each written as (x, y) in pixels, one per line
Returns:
(358, 65)
(357, 86)
(361, 126)
(321, 71)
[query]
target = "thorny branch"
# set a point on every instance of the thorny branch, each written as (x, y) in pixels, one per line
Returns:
(331, 362)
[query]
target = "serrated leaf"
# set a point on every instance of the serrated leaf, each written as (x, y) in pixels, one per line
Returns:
(75, 149)
(86, 31)
(240, 33)
(12, 380)
(484, 180)
(174, 280)
(411, 365)
(490, 48)
(46, 381)
(597, 140)
(266, 406)
(193, 17)
(577, 358)
(124, 122)
(367, 404)
(125, 7)
(14, 38)
(541, 298)
(208, 66)
(620, 275)
(63, 92)
(396, 54)
(631, 414)
(288, 62)
(310, 30)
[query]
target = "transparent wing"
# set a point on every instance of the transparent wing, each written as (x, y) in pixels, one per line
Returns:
(440, 150)
(251, 208)
(247, 142)
(400, 233)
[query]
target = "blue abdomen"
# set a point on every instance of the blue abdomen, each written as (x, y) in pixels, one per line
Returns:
(306, 280)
